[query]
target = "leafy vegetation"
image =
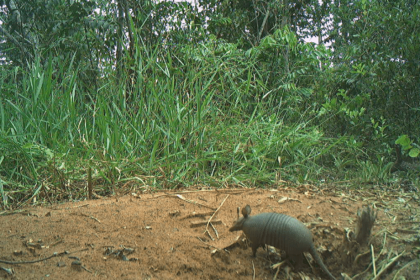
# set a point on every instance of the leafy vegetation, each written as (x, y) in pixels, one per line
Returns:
(167, 95)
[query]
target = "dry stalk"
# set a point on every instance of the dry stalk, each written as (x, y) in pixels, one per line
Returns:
(372, 250)
(388, 265)
(215, 212)
(253, 269)
(193, 202)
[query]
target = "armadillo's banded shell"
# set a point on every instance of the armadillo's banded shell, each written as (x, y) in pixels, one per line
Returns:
(278, 230)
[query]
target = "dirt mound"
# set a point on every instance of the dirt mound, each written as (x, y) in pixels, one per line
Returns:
(166, 235)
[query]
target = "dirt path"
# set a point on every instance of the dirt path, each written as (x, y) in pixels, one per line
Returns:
(153, 236)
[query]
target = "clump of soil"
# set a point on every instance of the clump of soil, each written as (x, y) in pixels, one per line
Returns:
(185, 235)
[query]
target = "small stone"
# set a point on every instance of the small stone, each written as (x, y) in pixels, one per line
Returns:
(77, 265)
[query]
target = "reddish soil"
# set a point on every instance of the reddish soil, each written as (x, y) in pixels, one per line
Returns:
(151, 235)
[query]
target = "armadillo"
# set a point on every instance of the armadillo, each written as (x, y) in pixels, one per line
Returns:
(278, 230)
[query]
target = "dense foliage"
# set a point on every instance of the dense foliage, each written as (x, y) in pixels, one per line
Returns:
(163, 93)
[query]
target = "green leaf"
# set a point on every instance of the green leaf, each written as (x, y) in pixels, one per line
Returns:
(268, 42)
(404, 141)
(414, 152)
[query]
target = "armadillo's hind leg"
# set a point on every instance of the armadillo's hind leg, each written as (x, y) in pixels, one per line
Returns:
(296, 259)
(254, 249)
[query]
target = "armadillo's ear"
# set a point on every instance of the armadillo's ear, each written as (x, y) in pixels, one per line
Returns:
(246, 211)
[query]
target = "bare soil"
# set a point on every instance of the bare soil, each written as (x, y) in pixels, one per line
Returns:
(162, 235)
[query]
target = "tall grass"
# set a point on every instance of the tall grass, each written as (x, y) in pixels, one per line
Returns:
(185, 123)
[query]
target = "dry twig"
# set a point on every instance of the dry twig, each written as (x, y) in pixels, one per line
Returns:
(217, 210)
(40, 260)
(193, 202)
(197, 224)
